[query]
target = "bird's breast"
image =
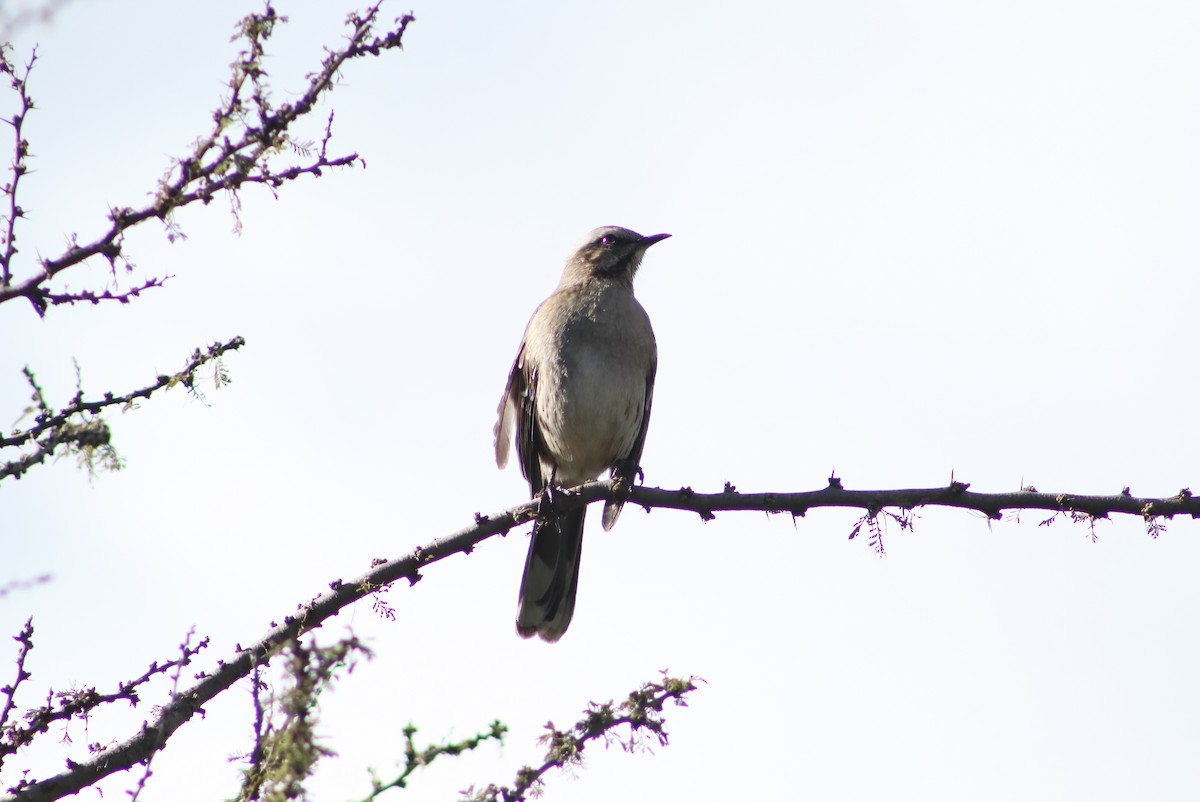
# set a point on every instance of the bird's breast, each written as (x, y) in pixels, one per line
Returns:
(592, 392)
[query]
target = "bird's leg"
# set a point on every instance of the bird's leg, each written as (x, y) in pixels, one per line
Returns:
(548, 496)
(624, 477)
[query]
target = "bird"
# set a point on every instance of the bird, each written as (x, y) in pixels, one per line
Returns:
(578, 397)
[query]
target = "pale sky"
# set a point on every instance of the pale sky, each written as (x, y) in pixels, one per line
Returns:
(909, 239)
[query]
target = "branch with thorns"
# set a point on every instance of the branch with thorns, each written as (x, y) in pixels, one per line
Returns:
(641, 713)
(187, 652)
(248, 131)
(75, 703)
(341, 594)
(79, 427)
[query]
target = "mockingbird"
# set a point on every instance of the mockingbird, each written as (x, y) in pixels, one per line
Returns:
(579, 394)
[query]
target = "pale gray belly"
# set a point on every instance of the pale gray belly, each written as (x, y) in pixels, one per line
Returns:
(591, 411)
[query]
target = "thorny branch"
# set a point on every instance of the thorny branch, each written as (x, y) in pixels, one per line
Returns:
(78, 426)
(187, 652)
(956, 494)
(248, 130)
(94, 297)
(76, 703)
(315, 612)
(19, 82)
(641, 713)
(25, 638)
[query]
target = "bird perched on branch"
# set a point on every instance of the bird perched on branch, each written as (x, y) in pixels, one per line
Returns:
(579, 397)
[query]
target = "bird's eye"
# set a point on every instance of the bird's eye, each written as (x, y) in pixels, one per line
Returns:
(606, 240)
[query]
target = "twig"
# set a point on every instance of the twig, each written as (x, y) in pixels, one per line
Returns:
(52, 429)
(25, 638)
(641, 712)
(93, 297)
(19, 82)
(414, 759)
(80, 703)
(185, 659)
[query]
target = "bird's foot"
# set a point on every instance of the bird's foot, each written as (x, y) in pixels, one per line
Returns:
(623, 482)
(545, 501)
(550, 499)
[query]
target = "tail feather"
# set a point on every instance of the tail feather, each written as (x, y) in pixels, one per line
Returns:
(611, 510)
(547, 599)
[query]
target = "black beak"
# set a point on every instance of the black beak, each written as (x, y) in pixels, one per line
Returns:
(646, 242)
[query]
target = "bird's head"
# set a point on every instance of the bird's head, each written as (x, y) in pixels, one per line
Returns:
(609, 252)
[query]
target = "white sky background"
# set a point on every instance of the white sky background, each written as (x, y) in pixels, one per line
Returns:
(909, 239)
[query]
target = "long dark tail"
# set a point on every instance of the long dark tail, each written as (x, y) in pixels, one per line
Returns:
(551, 575)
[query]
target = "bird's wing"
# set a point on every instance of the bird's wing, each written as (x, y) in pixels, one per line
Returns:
(531, 445)
(518, 406)
(626, 468)
(629, 465)
(506, 414)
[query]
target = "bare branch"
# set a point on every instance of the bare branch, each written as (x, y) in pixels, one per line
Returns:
(314, 613)
(93, 297)
(641, 713)
(310, 616)
(25, 638)
(79, 703)
(248, 130)
(955, 494)
(77, 426)
(187, 652)
(19, 82)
